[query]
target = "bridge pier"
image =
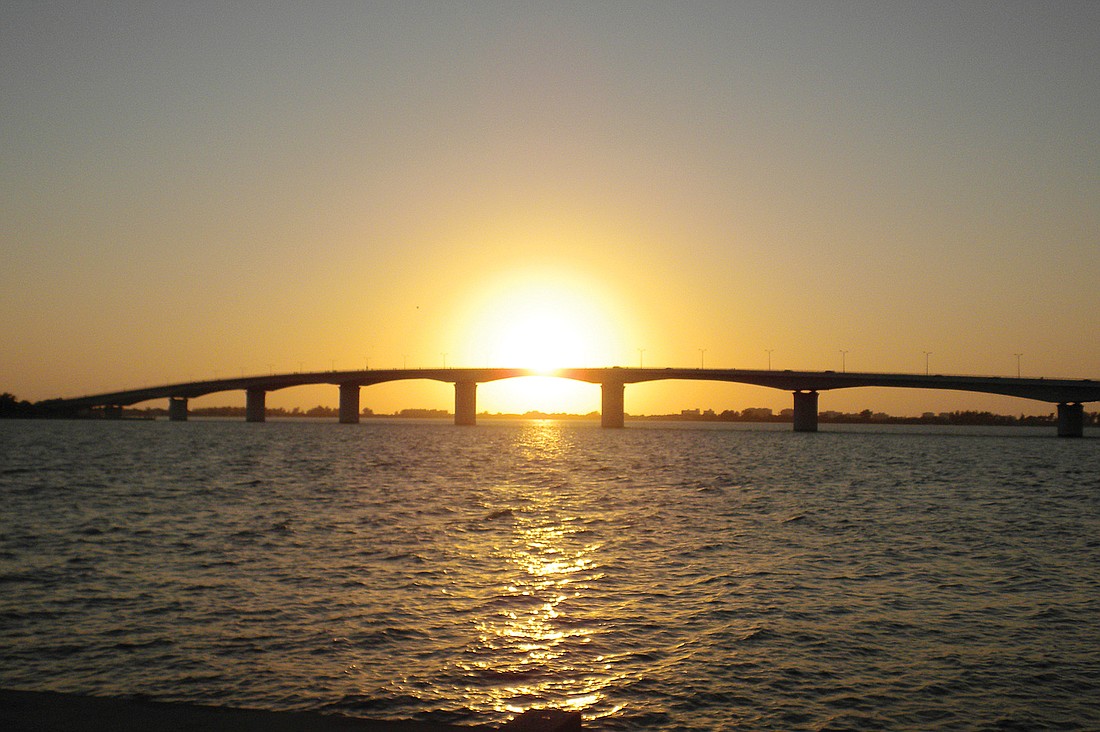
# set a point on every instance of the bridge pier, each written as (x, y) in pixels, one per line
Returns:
(1071, 419)
(177, 409)
(112, 411)
(612, 413)
(465, 403)
(805, 411)
(349, 404)
(255, 405)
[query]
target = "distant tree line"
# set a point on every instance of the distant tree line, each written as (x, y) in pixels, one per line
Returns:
(10, 407)
(970, 417)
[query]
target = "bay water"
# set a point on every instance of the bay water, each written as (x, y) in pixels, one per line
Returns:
(666, 576)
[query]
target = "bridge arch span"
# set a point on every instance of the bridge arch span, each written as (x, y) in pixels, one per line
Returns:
(1068, 394)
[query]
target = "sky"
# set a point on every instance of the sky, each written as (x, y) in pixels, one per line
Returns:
(205, 189)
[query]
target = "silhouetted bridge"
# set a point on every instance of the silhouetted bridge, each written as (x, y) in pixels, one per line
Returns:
(1069, 395)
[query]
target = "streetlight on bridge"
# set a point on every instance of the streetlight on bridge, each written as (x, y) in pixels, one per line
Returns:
(926, 355)
(1018, 356)
(702, 353)
(843, 361)
(769, 352)
(641, 352)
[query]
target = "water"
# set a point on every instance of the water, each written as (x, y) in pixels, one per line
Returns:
(687, 577)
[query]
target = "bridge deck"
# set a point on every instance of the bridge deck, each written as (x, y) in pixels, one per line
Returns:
(1046, 390)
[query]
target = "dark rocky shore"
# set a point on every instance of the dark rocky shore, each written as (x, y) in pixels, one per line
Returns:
(32, 711)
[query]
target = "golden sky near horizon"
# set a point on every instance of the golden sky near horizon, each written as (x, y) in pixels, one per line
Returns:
(195, 190)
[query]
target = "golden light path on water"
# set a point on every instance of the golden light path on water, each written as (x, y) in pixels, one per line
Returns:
(530, 641)
(656, 578)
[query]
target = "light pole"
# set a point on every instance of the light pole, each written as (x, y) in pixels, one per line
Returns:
(926, 355)
(641, 352)
(702, 354)
(444, 360)
(769, 352)
(1018, 356)
(843, 361)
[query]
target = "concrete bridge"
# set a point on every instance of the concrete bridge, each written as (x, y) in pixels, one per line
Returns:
(1069, 395)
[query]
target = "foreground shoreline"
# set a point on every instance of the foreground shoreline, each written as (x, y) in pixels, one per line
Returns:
(44, 711)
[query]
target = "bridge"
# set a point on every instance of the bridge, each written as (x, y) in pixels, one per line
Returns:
(1069, 395)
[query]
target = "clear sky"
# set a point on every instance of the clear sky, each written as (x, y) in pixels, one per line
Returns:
(200, 189)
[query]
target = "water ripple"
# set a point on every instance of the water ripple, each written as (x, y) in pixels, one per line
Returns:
(689, 579)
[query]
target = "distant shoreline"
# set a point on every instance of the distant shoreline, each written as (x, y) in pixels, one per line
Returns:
(759, 416)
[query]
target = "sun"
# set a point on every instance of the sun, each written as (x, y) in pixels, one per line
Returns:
(542, 320)
(539, 336)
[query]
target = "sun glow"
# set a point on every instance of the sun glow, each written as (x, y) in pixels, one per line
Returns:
(546, 394)
(539, 336)
(543, 321)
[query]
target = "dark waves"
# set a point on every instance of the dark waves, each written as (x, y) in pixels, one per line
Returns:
(653, 579)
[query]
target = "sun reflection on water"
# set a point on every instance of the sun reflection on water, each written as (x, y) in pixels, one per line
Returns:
(533, 646)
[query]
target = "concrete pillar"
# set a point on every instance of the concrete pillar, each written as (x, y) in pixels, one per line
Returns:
(612, 413)
(466, 403)
(255, 405)
(349, 404)
(1071, 419)
(805, 411)
(177, 409)
(112, 411)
